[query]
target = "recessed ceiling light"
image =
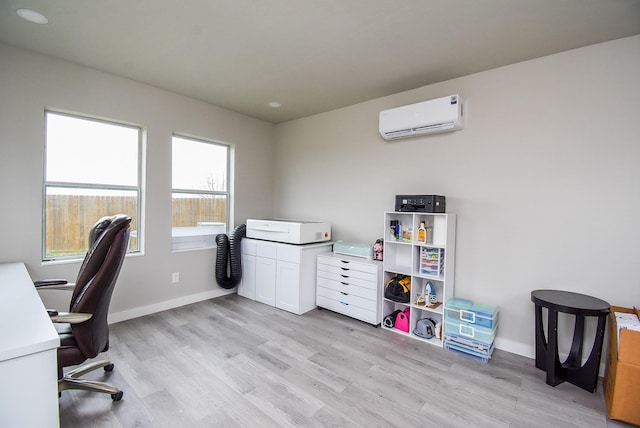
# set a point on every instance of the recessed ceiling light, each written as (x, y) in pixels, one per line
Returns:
(32, 16)
(274, 104)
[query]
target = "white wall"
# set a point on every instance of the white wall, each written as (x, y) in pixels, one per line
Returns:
(29, 83)
(544, 178)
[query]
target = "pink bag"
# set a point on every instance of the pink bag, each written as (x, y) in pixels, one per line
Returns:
(402, 320)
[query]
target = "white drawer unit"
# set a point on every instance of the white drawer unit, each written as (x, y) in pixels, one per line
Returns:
(349, 285)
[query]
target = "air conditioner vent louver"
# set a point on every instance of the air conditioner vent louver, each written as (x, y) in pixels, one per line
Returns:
(428, 117)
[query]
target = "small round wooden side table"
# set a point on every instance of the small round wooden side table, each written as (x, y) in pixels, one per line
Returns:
(571, 370)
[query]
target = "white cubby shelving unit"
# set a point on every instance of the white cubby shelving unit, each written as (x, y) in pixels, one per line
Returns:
(432, 261)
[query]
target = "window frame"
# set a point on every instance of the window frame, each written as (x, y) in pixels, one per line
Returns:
(138, 190)
(201, 241)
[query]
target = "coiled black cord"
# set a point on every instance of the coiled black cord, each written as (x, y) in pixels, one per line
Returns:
(229, 249)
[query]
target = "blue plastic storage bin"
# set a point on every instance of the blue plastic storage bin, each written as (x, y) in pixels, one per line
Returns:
(472, 313)
(463, 350)
(469, 331)
(473, 344)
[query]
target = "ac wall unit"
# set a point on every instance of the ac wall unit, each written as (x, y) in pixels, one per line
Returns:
(428, 117)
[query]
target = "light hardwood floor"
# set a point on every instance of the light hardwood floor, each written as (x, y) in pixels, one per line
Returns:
(233, 362)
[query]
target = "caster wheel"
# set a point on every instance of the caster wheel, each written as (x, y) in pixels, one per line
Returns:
(109, 367)
(117, 396)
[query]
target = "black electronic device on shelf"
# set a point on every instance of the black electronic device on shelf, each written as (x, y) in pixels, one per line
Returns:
(420, 203)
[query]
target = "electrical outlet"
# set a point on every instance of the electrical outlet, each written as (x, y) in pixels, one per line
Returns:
(175, 277)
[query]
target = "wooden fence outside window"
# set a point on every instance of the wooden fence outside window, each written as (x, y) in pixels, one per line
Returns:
(69, 218)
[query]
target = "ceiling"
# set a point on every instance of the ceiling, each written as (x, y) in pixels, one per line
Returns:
(311, 56)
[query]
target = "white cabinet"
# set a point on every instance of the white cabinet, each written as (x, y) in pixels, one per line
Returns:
(288, 280)
(350, 286)
(431, 262)
(28, 354)
(247, 286)
(288, 287)
(280, 275)
(266, 280)
(266, 253)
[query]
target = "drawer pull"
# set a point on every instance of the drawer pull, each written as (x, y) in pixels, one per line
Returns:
(466, 330)
(345, 268)
(344, 283)
(344, 294)
(467, 316)
(345, 276)
(345, 261)
(344, 303)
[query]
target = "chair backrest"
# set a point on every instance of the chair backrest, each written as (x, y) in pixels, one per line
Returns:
(108, 243)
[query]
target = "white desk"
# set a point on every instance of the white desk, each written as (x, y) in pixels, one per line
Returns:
(28, 353)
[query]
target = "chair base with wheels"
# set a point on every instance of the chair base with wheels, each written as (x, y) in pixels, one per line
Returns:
(72, 380)
(69, 355)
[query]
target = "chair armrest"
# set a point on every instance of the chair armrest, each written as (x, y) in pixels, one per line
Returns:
(53, 284)
(42, 282)
(71, 317)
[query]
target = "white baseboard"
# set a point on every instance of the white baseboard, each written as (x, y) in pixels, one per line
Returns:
(167, 304)
(516, 347)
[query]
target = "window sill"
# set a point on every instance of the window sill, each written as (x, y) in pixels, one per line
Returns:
(196, 238)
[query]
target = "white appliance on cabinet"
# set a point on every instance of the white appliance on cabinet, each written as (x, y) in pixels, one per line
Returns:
(288, 231)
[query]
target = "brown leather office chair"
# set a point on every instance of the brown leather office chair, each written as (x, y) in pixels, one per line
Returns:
(84, 332)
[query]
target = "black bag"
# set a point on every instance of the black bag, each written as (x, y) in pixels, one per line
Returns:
(390, 320)
(398, 289)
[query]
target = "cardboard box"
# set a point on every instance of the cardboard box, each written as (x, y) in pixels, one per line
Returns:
(622, 373)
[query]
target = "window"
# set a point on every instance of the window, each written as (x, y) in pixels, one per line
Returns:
(200, 197)
(92, 169)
